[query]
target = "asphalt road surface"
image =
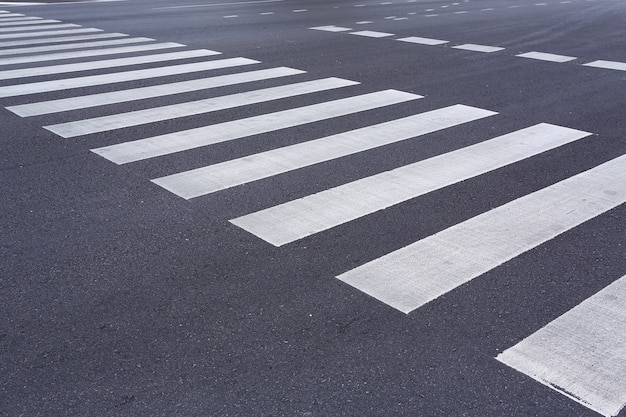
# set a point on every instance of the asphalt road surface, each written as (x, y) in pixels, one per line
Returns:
(313, 208)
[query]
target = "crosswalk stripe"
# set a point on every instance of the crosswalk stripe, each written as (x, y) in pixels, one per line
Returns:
(581, 354)
(26, 22)
(118, 77)
(19, 19)
(12, 15)
(423, 41)
(94, 100)
(111, 63)
(41, 27)
(189, 139)
(30, 42)
(80, 45)
(49, 33)
(478, 48)
(331, 28)
(306, 216)
(174, 111)
(419, 273)
(615, 65)
(89, 53)
(543, 56)
(228, 174)
(371, 34)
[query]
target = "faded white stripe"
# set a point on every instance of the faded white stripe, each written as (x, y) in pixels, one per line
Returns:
(581, 354)
(110, 63)
(419, 273)
(422, 41)
(48, 48)
(174, 111)
(620, 66)
(42, 27)
(19, 19)
(94, 100)
(117, 77)
(306, 216)
(89, 53)
(61, 39)
(26, 23)
(331, 28)
(227, 174)
(478, 48)
(371, 34)
(194, 138)
(542, 56)
(48, 33)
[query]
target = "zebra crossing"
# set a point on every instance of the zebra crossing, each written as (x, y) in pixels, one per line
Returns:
(405, 279)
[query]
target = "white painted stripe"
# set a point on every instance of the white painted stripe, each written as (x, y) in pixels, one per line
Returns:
(49, 33)
(231, 16)
(266, 13)
(401, 18)
(48, 48)
(419, 273)
(180, 141)
(581, 354)
(228, 174)
(478, 48)
(110, 63)
(12, 15)
(61, 39)
(174, 111)
(117, 77)
(331, 28)
(461, 12)
(620, 66)
(25, 23)
(371, 34)
(121, 96)
(89, 53)
(235, 3)
(41, 27)
(19, 19)
(306, 216)
(422, 41)
(363, 22)
(300, 10)
(542, 56)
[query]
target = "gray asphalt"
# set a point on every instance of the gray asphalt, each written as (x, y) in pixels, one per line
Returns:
(118, 298)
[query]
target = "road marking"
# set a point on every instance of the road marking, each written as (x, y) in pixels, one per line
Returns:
(431, 15)
(49, 33)
(620, 66)
(180, 141)
(299, 10)
(12, 15)
(371, 34)
(363, 22)
(24, 23)
(478, 48)
(88, 53)
(110, 63)
(581, 354)
(42, 27)
(48, 48)
(117, 77)
(266, 13)
(61, 39)
(542, 56)
(217, 4)
(306, 216)
(390, 17)
(419, 273)
(487, 10)
(206, 180)
(461, 12)
(19, 19)
(422, 41)
(175, 111)
(401, 18)
(231, 16)
(114, 97)
(331, 28)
